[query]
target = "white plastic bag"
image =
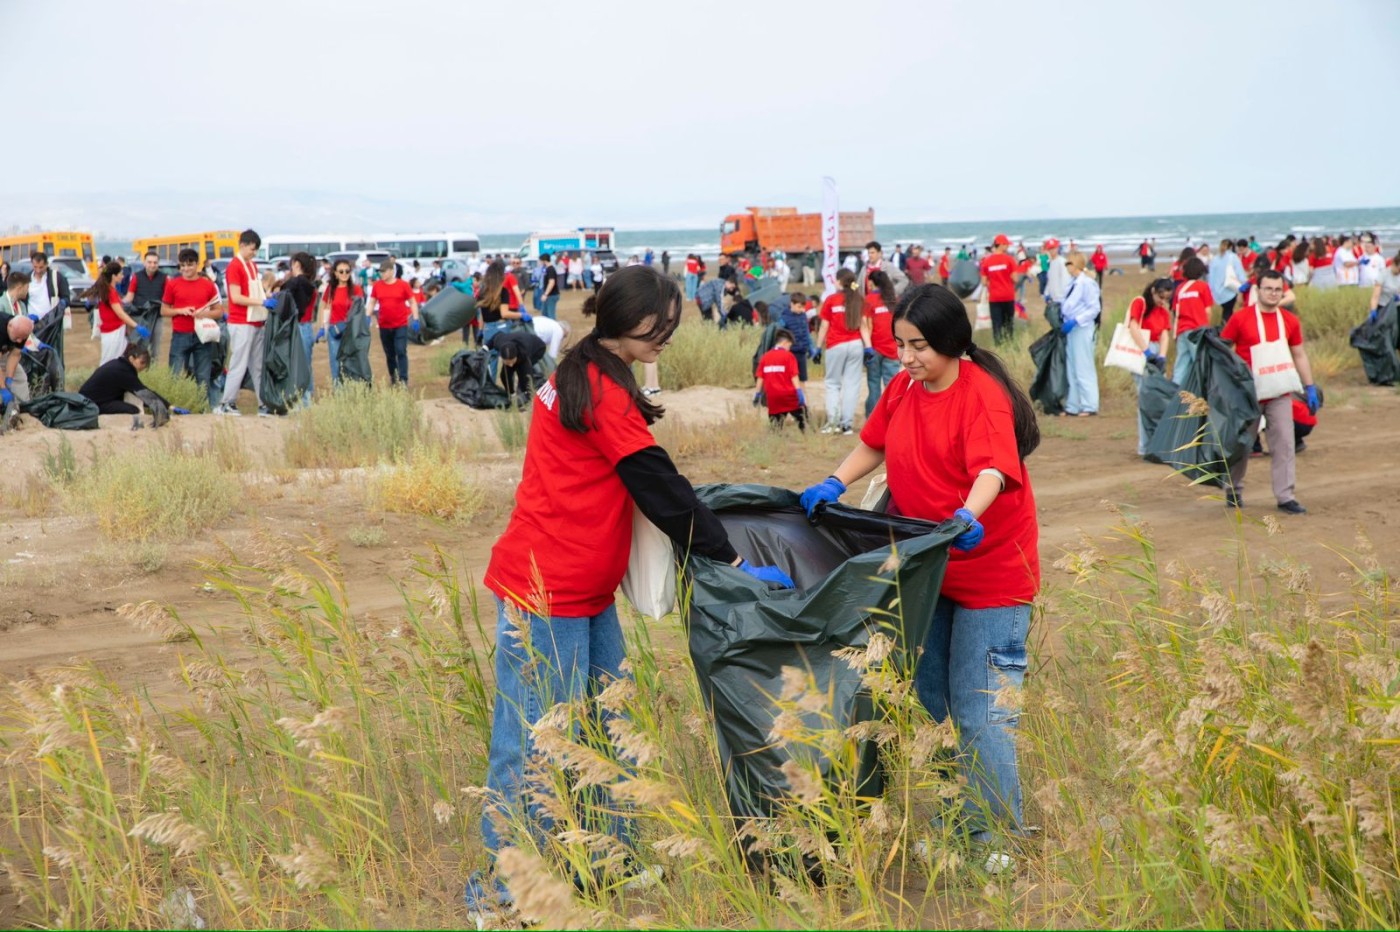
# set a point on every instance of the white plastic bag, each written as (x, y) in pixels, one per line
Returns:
(207, 330)
(984, 313)
(1123, 351)
(650, 583)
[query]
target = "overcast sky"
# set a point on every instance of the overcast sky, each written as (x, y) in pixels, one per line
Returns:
(497, 117)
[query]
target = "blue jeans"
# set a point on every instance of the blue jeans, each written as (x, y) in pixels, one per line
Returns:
(1083, 377)
(187, 354)
(1185, 359)
(692, 281)
(568, 659)
(333, 334)
(550, 303)
(970, 654)
(308, 337)
(395, 343)
(536, 296)
(878, 373)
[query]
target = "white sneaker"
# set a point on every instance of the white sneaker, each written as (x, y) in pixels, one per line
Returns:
(831, 429)
(643, 878)
(264, 411)
(996, 862)
(846, 432)
(228, 410)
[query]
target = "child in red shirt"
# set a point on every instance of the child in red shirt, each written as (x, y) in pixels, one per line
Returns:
(777, 382)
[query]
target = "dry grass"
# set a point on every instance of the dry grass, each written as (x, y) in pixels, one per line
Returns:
(356, 425)
(430, 483)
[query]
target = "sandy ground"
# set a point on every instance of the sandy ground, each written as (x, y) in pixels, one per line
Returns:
(61, 582)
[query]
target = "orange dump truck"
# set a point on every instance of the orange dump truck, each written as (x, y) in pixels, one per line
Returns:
(784, 229)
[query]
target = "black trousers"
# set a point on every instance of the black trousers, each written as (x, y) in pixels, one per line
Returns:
(118, 407)
(800, 416)
(1003, 320)
(1227, 308)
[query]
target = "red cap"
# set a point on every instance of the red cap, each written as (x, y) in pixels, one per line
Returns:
(1001, 240)
(1052, 243)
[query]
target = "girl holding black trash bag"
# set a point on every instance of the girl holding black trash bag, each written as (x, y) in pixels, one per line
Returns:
(589, 457)
(953, 431)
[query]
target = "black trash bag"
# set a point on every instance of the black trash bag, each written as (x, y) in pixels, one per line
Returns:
(469, 380)
(353, 354)
(286, 375)
(742, 633)
(44, 368)
(965, 277)
(1050, 354)
(1203, 447)
(447, 312)
(158, 406)
(147, 314)
(63, 411)
(1376, 341)
(1159, 395)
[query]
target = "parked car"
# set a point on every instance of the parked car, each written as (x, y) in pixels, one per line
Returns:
(79, 280)
(456, 270)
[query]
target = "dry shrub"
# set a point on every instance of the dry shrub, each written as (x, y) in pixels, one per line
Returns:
(356, 425)
(159, 493)
(701, 354)
(431, 484)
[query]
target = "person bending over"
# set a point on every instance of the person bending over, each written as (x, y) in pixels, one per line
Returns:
(114, 380)
(520, 352)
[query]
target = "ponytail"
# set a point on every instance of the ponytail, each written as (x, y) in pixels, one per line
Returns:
(854, 300)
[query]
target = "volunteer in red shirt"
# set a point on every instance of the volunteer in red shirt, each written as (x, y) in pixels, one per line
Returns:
(917, 265)
(339, 294)
(777, 383)
(953, 431)
(999, 278)
(945, 265)
(1191, 308)
(589, 459)
(392, 298)
(1149, 324)
(1270, 323)
(247, 311)
(692, 276)
(1099, 260)
(1178, 272)
(842, 342)
(186, 299)
(881, 357)
(112, 317)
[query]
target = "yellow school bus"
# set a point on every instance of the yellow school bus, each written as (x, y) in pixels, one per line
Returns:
(57, 244)
(215, 244)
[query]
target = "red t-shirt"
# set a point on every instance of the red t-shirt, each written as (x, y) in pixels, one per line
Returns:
(1193, 302)
(1099, 260)
(1155, 321)
(393, 298)
(107, 314)
(881, 325)
(936, 444)
(777, 368)
(340, 304)
(999, 267)
(1176, 272)
(565, 549)
(1316, 263)
(1248, 258)
(692, 267)
(1243, 330)
(511, 285)
(834, 313)
(181, 293)
(943, 266)
(235, 274)
(916, 267)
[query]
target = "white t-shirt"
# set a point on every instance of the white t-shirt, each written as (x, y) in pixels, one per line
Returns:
(40, 302)
(551, 332)
(1372, 268)
(1347, 274)
(1390, 284)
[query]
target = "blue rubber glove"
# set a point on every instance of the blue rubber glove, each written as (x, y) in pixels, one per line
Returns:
(1068, 325)
(1374, 313)
(1311, 392)
(757, 399)
(320, 335)
(525, 317)
(416, 325)
(34, 317)
(869, 355)
(270, 304)
(829, 489)
(6, 396)
(37, 349)
(768, 574)
(179, 410)
(817, 356)
(802, 398)
(143, 331)
(969, 539)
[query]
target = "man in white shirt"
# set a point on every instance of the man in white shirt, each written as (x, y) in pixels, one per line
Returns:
(1372, 262)
(1345, 265)
(781, 272)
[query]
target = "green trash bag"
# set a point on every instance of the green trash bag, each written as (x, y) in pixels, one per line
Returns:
(353, 354)
(286, 376)
(742, 633)
(447, 312)
(63, 411)
(1376, 341)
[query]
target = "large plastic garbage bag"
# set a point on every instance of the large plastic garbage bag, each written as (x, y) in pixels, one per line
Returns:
(1204, 446)
(63, 411)
(446, 312)
(44, 368)
(286, 375)
(964, 278)
(742, 634)
(469, 380)
(1376, 341)
(1050, 386)
(354, 346)
(1159, 395)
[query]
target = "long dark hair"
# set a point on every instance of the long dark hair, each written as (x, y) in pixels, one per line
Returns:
(941, 318)
(334, 283)
(1157, 286)
(850, 294)
(1300, 251)
(491, 284)
(101, 289)
(629, 298)
(882, 283)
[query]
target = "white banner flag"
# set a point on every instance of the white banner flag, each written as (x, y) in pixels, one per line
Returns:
(831, 234)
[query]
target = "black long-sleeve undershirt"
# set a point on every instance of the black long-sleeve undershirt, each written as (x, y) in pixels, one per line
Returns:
(669, 502)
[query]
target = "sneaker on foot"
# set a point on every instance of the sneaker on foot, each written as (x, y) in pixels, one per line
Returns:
(846, 432)
(264, 411)
(230, 410)
(640, 878)
(830, 429)
(1292, 508)
(1232, 499)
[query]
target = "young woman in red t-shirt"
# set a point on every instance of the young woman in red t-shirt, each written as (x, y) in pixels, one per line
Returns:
(340, 293)
(589, 458)
(112, 317)
(953, 431)
(881, 356)
(1149, 324)
(842, 341)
